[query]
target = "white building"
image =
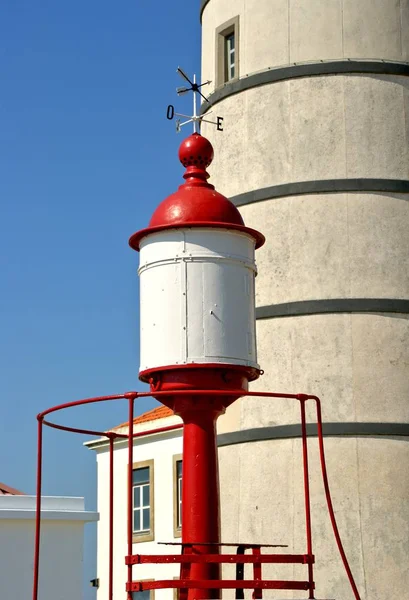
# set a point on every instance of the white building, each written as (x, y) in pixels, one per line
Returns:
(157, 488)
(62, 536)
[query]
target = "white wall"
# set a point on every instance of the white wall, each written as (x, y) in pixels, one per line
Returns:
(61, 558)
(160, 448)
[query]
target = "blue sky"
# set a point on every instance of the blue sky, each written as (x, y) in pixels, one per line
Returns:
(86, 154)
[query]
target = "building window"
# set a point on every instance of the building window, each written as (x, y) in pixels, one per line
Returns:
(227, 51)
(176, 591)
(177, 495)
(142, 480)
(145, 595)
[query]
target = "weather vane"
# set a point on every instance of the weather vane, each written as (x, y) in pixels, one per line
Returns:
(195, 118)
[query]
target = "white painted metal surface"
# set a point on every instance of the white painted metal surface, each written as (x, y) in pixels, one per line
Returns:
(197, 298)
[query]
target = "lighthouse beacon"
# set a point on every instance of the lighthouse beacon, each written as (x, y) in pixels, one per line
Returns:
(197, 271)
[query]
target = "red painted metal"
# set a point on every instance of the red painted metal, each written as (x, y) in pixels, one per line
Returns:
(257, 575)
(200, 474)
(110, 435)
(200, 491)
(196, 151)
(329, 499)
(36, 565)
(307, 496)
(195, 400)
(130, 489)
(140, 559)
(221, 381)
(111, 520)
(196, 203)
(154, 375)
(84, 431)
(221, 584)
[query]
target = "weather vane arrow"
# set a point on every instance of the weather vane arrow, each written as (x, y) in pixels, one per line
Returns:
(195, 119)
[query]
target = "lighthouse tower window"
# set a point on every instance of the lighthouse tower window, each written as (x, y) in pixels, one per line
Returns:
(142, 498)
(230, 56)
(227, 51)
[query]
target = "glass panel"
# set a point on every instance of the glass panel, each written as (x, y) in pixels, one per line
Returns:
(146, 519)
(145, 595)
(180, 502)
(179, 468)
(140, 475)
(145, 495)
(230, 56)
(137, 496)
(137, 520)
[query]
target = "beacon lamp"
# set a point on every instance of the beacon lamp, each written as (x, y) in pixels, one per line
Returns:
(197, 313)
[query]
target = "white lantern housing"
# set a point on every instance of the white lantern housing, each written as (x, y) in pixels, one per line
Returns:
(197, 298)
(197, 272)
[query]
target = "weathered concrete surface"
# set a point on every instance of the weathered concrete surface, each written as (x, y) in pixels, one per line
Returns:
(279, 32)
(331, 246)
(322, 246)
(369, 481)
(356, 363)
(312, 128)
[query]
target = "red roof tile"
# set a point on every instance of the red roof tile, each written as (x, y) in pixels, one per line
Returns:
(151, 415)
(6, 490)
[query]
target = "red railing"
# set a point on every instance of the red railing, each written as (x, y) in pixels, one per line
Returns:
(187, 558)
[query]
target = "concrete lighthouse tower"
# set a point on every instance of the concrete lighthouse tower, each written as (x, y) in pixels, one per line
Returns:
(315, 100)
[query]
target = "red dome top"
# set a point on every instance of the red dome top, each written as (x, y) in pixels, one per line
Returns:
(196, 203)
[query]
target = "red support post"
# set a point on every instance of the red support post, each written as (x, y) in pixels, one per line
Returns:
(307, 497)
(257, 575)
(111, 520)
(38, 508)
(130, 489)
(200, 494)
(199, 396)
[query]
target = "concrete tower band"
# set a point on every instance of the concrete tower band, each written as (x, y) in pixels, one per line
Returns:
(315, 100)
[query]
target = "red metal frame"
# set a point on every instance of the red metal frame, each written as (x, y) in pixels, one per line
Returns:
(188, 558)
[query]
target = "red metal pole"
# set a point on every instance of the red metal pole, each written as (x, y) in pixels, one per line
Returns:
(200, 493)
(307, 498)
(257, 575)
(111, 520)
(130, 489)
(38, 508)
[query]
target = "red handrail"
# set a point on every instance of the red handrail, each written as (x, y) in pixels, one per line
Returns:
(256, 584)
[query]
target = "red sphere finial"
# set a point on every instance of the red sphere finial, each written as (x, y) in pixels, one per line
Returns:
(196, 151)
